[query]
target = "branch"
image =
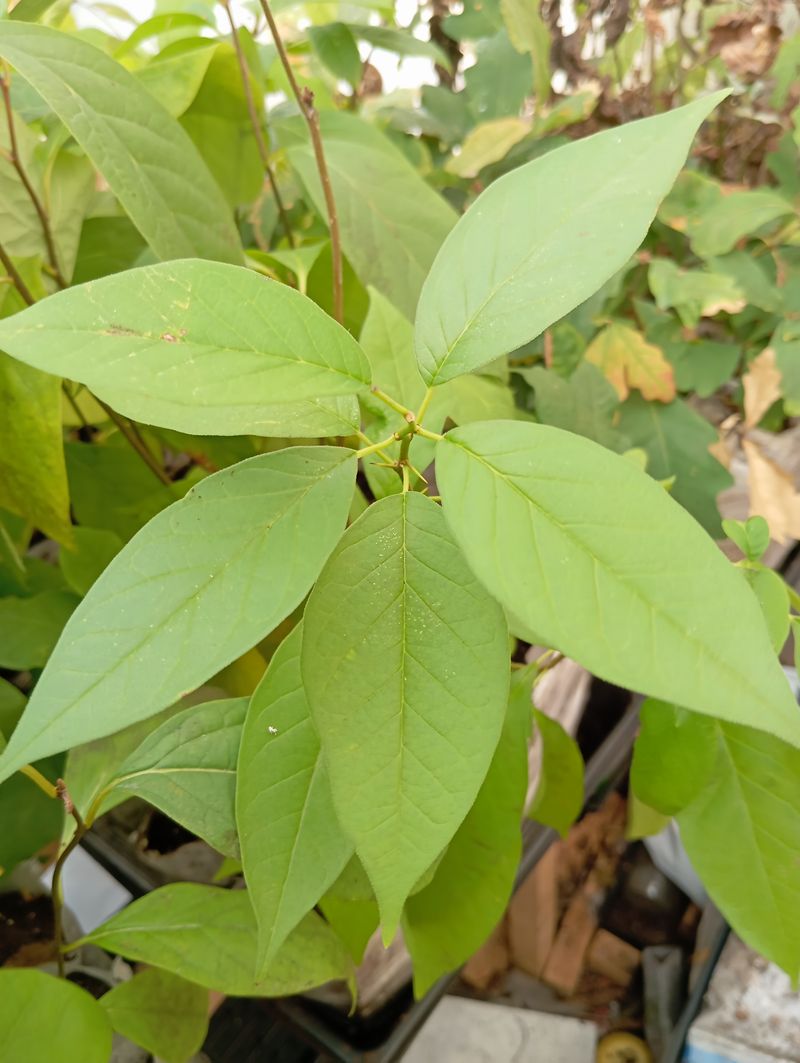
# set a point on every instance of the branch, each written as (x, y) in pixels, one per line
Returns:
(56, 891)
(16, 279)
(16, 162)
(305, 101)
(131, 433)
(258, 133)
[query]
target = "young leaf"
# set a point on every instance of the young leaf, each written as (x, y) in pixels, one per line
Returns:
(33, 476)
(405, 664)
(161, 1012)
(773, 597)
(543, 238)
(201, 583)
(596, 559)
(187, 768)
(149, 162)
(742, 834)
(673, 757)
(559, 794)
(450, 918)
(44, 1018)
(751, 536)
(676, 439)
(731, 217)
(170, 345)
(292, 846)
(337, 50)
(208, 936)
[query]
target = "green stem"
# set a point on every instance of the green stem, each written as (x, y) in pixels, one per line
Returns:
(36, 777)
(56, 890)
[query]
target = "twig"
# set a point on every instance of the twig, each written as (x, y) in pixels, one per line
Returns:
(16, 162)
(258, 133)
(17, 281)
(75, 407)
(56, 891)
(305, 101)
(131, 433)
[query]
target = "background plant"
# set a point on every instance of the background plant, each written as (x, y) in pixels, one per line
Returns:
(196, 439)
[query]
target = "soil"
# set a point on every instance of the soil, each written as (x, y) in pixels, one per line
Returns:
(26, 930)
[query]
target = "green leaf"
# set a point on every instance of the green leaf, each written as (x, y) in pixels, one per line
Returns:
(676, 440)
(30, 10)
(742, 835)
(751, 536)
(107, 245)
(353, 921)
(33, 476)
(187, 768)
(30, 627)
(43, 1018)
(31, 820)
(169, 345)
(528, 32)
(773, 597)
(543, 238)
(392, 222)
(450, 918)
(12, 702)
(500, 79)
(595, 559)
(175, 81)
(161, 1012)
(229, 561)
(643, 821)
(584, 403)
(405, 664)
(292, 846)
(488, 142)
(208, 936)
(559, 794)
(94, 550)
(161, 24)
(694, 293)
(337, 50)
(731, 217)
(673, 757)
(401, 42)
(150, 164)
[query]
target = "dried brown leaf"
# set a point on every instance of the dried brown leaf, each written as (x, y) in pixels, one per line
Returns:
(773, 495)
(762, 386)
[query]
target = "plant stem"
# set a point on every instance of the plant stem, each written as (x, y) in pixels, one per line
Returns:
(16, 162)
(258, 133)
(305, 101)
(131, 433)
(16, 280)
(392, 403)
(75, 407)
(56, 891)
(435, 436)
(36, 777)
(426, 401)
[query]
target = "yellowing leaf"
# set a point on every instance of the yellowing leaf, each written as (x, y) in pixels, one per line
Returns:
(772, 494)
(762, 386)
(629, 361)
(486, 143)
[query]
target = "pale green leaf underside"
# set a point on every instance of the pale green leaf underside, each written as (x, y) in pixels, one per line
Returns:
(292, 846)
(163, 1013)
(44, 1018)
(597, 560)
(198, 347)
(149, 162)
(545, 237)
(405, 664)
(559, 793)
(448, 920)
(197, 586)
(187, 768)
(208, 935)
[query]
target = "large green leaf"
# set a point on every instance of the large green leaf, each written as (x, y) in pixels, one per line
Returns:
(677, 439)
(594, 558)
(450, 918)
(405, 664)
(187, 768)
(392, 222)
(292, 846)
(161, 1012)
(30, 627)
(584, 403)
(148, 161)
(731, 217)
(43, 1018)
(736, 791)
(208, 935)
(171, 345)
(543, 238)
(201, 583)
